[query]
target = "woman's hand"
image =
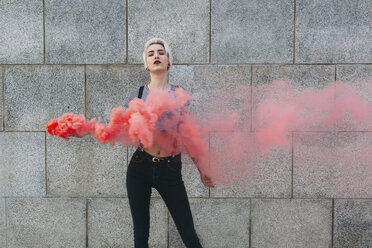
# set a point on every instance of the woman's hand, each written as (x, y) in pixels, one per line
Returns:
(207, 181)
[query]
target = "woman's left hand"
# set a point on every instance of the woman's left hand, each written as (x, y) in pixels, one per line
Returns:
(207, 181)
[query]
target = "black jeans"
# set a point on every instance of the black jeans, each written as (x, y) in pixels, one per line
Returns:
(164, 174)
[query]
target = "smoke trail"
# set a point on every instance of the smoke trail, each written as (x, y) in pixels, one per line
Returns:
(282, 109)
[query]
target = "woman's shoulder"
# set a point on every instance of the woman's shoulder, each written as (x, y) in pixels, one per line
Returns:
(133, 94)
(175, 86)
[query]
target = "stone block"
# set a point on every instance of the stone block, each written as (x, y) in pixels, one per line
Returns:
(191, 177)
(109, 87)
(22, 164)
(85, 32)
(359, 77)
(291, 223)
(330, 32)
(184, 25)
(1, 100)
(36, 94)
(21, 40)
(354, 73)
(218, 91)
(46, 222)
(2, 223)
(332, 165)
(110, 223)
(218, 223)
(252, 31)
(84, 167)
(353, 223)
(267, 174)
(303, 78)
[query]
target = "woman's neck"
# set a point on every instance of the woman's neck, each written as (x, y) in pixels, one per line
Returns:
(159, 82)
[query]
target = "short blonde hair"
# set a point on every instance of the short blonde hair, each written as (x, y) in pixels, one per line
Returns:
(161, 42)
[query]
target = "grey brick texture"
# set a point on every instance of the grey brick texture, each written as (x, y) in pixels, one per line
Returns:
(85, 57)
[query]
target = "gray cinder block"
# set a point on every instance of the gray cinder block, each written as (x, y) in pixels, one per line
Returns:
(353, 223)
(332, 164)
(84, 167)
(191, 177)
(219, 90)
(85, 32)
(109, 87)
(359, 77)
(252, 31)
(21, 40)
(46, 222)
(187, 20)
(110, 223)
(291, 223)
(218, 223)
(266, 175)
(22, 164)
(36, 94)
(354, 73)
(303, 78)
(306, 77)
(330, 32)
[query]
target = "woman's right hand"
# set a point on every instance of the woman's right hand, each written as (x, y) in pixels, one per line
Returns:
(207, 181)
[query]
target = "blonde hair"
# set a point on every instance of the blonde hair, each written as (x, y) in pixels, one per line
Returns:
(161, 42)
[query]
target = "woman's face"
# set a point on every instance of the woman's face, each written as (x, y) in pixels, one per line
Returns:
(156, 58)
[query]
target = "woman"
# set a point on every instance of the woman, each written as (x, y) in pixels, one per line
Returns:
(155, 167)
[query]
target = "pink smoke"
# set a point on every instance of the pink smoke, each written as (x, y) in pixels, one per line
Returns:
(281, 109)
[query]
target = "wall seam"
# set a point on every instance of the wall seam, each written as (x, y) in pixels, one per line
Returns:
(126, 30)
(86, 222)
(334, 93)
(168, 234)
(292, 163)
(85, 90)
(44, 31)
(209, 161)
(199, 198)
(3, 94)
(204, 64)
(210, 32)
(250, 223)
(251, 98)
(6, 222)
(45, 164)
(333, 221)
(294, 32)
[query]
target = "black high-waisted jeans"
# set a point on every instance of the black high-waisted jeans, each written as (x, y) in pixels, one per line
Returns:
(164, 174)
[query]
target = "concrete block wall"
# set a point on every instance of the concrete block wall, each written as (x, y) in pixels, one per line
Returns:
(85, 56)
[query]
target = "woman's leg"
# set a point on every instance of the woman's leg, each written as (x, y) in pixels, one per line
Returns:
(139, 195)
(175, 197)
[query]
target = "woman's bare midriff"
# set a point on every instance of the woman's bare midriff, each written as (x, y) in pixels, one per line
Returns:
(157, 151)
